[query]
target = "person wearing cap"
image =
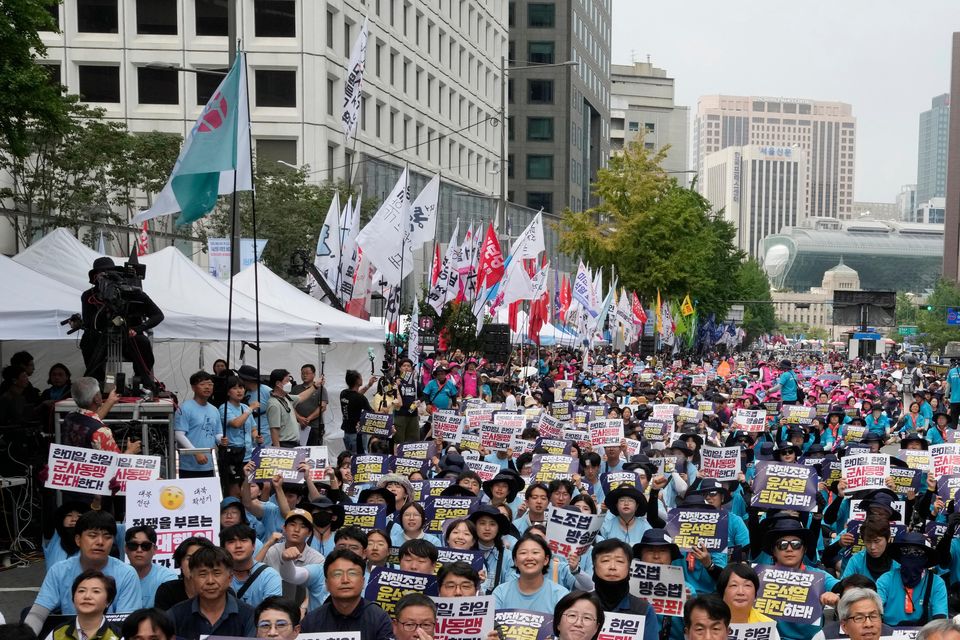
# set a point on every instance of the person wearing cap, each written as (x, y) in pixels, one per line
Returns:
(232, 512)
(530, 590)
(251, 581)
(327, 518)
(295, 548)
(787, 383)
(492, 527)
(406, 417)
(716, 495)
(197, 425)
(504, 488)
(255, 392)
(626, 515)
(878, 422)
(912, 593)
(281, 415)
(441, 392)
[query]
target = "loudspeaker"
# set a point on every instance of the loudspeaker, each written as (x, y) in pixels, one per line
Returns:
(495, 342)
(648, 345)
(875, 308)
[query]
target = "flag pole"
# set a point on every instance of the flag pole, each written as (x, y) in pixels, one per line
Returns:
(403, 247)
(253, 224)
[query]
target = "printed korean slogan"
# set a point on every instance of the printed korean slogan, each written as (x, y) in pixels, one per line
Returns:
(779, 485)
(915, 458)
(473, 557)
(273, 461)
(621, 626)
(318, 458)
(442, 508)
(366, 516)
(464, 618)
(91, 471)
(657, 430)
(386, 586)
(376, 424)
(690, 527)
(448, 425)
(369, 468)
(546, 468)
(865, 472)
(660, 585)
(550, 426)
(571, 531)
(789, 596)
(520, 624)
(721, 463)
(750, 420)
(945, 459)
(606, 433)
(754, 631)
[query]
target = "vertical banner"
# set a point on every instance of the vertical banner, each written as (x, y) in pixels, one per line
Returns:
(720, 463)
(177, 508)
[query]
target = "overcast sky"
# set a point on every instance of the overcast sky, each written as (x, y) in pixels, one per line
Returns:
(887, 58)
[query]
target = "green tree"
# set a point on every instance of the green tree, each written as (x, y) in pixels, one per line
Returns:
(457, 323)
(906, 309)
(932, 324)
(290, 213)
(752, 284)
(655, 234)
(792, 329)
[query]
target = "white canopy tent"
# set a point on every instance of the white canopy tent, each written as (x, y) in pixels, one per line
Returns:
(32, 306)
(550, 334)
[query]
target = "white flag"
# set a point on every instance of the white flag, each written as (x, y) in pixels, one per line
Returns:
(539, 282)
(349, 228)
(327, 256)
(516, 284)
(423, 214)
(529, 244)
(353, 83)
(385, 239)
(413, 334)
(582, 286)
(439, 294)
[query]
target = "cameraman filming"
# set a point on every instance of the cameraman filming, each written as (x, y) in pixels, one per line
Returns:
(116, 300)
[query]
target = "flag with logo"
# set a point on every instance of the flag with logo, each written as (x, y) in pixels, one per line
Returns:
(423, 214)
(386, 239)
(327, 256)
(215, 157)
(413, 334)
(687, 307)
(143, 240)
(353, 83)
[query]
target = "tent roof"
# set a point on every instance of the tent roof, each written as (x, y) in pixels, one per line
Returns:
(195, 304)
(32, 306)
(277, 292)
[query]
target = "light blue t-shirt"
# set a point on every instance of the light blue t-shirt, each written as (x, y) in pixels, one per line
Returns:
(611, 529)
(239, 436)
(857, 564)
(397, 538)
(53, 551)
(267, 584)
(149, 585)
(492, 457)
(788, 386)
(544, 600)
(55, 592)
(490, 560)
(891, 591)
(202, 425)
(271, 521)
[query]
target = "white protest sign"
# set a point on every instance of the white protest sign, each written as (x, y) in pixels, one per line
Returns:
(467, 618)
(448, 425)
(866, 471)
(621, 626)
(498, 437)
(90, 471)
(946, 459)
(664, 412)
(606, 433)
(486, 470)
(318, 457)
(572, 531)
(750, 420)
(721, 463)
(754, 631)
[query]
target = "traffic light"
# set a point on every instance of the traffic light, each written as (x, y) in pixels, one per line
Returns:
(929, 307)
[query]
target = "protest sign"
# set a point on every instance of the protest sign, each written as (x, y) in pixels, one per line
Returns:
(778, 485)
(447, 425)
(657, 430)
(772, 407)
(571, 531)
(621, 626)
(546, 467)
(905, 479)
(853, 528)
(375, 424)
(797, 414)
(469, 442)
(442, 508)
(595, 412)
(520, 624)
(667, 464)
(686, 415)
(423, 450)
(406, 466)
(497, 437)
(865, 472)
(90, 471)
(562, 410)
(750, 420)
(177, 508)
(754, 631)
(721, 463)
(699, 380)
(664, 412)
(521, 446)
(272, 461)
(330, 635)
(947, 486)
(486, 470)
(660, 585)
(369, 468)
(554, 447)
(570, 394)
(690, 528)
(577, 436)
(532, 414)
(318, 459)
(822, 409)
(446, 555)
(386, 586)
(550, 426)
(705, 407)
(422, 489)
(606, 433)
(857, 512)
(789, 596)
(366, 516)
(854, 432)
(613, 479)
(580, 418)
(131, 467)
(476, 417)
(464, 618)
(945, 459)
(515, 421)
(915, 458)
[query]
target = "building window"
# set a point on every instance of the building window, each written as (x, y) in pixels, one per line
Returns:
(329, 29)
(540, 200)
(539, 167)
(540, 129)
(157, 86)
(157, 17)
(54, 11)
(207, 83)
(276, 88)
(99, 83)
(275, 18)
(510, 166)
(540, 52)
(270, 151)
(97, 16)
(540, 91)
(649, 127)
(541, 15)
(511, 15)
(633, 126)
(509, 127)
(211, 17)
(331, 88)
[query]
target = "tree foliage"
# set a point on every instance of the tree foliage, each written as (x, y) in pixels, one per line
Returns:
(932, 325)
(906, 310)
(456, 324)
(655, 234)
(290, 213)
(752, 284)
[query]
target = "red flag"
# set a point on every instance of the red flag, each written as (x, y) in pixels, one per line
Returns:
(143, 241)
(435, 271)
(513, 309)
(490, 269)
(638, 313)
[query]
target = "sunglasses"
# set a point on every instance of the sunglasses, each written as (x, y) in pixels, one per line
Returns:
(783, 545)
(142, 546)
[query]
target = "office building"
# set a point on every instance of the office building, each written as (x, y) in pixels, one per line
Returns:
(824, 131)
(932, 150)
(906, 202)
(875, 210)
(933, 211)
(642, 105)
(559, 124)
(759, 188)
(814, 307)
(431, 91)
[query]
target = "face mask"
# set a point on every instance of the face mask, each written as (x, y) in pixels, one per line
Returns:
(322, 519)
(287, 387)
(911, 570)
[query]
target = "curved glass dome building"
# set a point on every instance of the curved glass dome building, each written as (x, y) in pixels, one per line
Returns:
(888, 256)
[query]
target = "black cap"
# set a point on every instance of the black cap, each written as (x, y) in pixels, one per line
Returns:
(101, 264)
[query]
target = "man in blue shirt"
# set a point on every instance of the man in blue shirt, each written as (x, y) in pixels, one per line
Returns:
(197, 425)
(94, 531)
(255, 392)
(441, 392)
(251, 581)
(140, 546)
(345, 609)
(213, 611)
(787, 383)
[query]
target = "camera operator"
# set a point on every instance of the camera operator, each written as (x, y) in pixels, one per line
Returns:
(113, 302)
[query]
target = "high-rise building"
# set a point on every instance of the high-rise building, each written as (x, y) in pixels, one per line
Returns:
(876, 210)
(759, 188)
(932, 150)
(906, 202)
(642, 104)
(431, 91)
(931, 212)
(559, 116)
(824, 131)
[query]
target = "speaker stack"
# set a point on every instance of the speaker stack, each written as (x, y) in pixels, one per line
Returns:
(495, 342)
